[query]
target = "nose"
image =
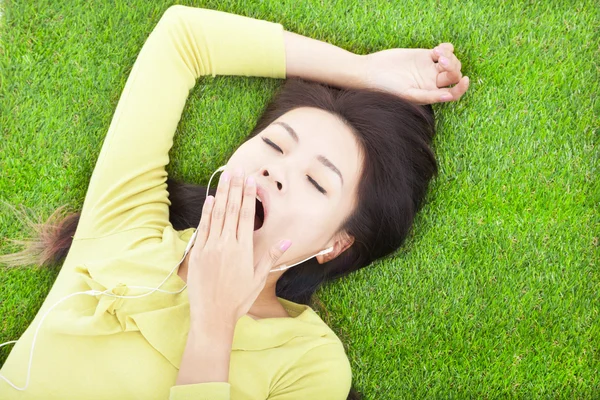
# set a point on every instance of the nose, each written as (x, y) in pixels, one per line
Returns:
(274, 176)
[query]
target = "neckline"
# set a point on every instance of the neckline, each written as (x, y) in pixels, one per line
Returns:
(295, 311)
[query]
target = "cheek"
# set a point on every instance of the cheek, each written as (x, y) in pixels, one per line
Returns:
(247, 156)
(306, 222)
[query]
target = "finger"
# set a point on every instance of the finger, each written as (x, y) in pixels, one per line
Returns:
(442, 49)
(421, 96)
(454, 64)
(204, 225)
(448, 63)
(448, 78)
(458, 90)
(447, 46)
(246, 224)
(270, 259)
(234, 202)
(448, 67)
(218, 213)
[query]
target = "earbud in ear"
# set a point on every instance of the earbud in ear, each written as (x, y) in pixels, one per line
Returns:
(327, 250)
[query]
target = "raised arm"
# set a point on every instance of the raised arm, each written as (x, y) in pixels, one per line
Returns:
(128, 187)
(128, 190)
(423, 76)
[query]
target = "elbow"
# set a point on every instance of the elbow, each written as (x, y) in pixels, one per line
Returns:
(174, 15)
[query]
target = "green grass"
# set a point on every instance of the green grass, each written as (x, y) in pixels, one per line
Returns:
(495, 295)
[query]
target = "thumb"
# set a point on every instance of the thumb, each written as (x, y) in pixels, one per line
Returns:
(425, 96)
(268, 260)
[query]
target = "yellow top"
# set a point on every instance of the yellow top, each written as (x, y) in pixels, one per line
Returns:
(101, 347)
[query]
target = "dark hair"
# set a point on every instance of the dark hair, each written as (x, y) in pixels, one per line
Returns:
(398, 164)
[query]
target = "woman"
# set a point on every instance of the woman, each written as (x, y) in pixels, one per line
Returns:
(338, 173)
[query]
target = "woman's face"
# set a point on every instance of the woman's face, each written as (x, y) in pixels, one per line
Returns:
(307, 165)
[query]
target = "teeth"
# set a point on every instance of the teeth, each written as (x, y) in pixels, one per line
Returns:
(258, 198)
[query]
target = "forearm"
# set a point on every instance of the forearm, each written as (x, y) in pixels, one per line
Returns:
(323, 62)
(207, 354)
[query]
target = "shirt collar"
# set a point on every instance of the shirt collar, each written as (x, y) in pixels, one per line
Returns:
(157, 327)
(164, 319)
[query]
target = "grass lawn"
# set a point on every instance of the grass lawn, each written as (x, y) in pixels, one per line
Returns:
(496, 293)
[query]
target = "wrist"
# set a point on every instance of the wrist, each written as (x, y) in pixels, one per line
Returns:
(318, 61)
(207, 354)
(212, 325)
(354, 73)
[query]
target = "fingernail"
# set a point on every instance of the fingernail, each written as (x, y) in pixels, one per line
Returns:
(225, 177)
(446, 97)
(209, 200)
(437, 51)
(444, 61)
(239, 172)
(250, 181)
(284, 245)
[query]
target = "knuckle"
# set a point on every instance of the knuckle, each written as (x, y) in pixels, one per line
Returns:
(246, 213)
(204, 227)
(273, 255)
(222, 189)
(209, 246)
(219, 213)
(233, 207)
(226, 235)
(237, 182)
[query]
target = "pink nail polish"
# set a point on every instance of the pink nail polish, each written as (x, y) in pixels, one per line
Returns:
(225, 177)
(250, 181)
(446, 97)
(284, 245)
(444, 61)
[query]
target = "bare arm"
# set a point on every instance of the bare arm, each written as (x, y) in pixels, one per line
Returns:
(318, 61)
(423, 76)
(208, 350)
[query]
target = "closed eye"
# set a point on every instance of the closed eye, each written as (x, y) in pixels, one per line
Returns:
(273, 145)
(319, 188)
(311, 180)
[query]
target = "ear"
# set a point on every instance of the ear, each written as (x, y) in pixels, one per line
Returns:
(340, 243)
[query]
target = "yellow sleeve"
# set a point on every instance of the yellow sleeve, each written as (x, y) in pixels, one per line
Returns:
(323, 373)
(128, 187)
(201, 391)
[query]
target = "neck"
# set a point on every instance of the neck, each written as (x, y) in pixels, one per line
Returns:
(266, 304)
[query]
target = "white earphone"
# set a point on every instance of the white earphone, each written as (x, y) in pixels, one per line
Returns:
(152, 290)
(284, 267)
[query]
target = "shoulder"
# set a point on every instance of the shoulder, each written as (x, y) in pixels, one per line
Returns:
(322, 372)
(321, 369)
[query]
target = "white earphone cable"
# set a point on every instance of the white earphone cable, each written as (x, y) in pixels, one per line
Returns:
(152, 290)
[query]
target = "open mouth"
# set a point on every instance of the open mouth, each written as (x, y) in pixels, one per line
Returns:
(259, 216)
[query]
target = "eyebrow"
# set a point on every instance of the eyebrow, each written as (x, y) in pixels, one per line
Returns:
(324, 160)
